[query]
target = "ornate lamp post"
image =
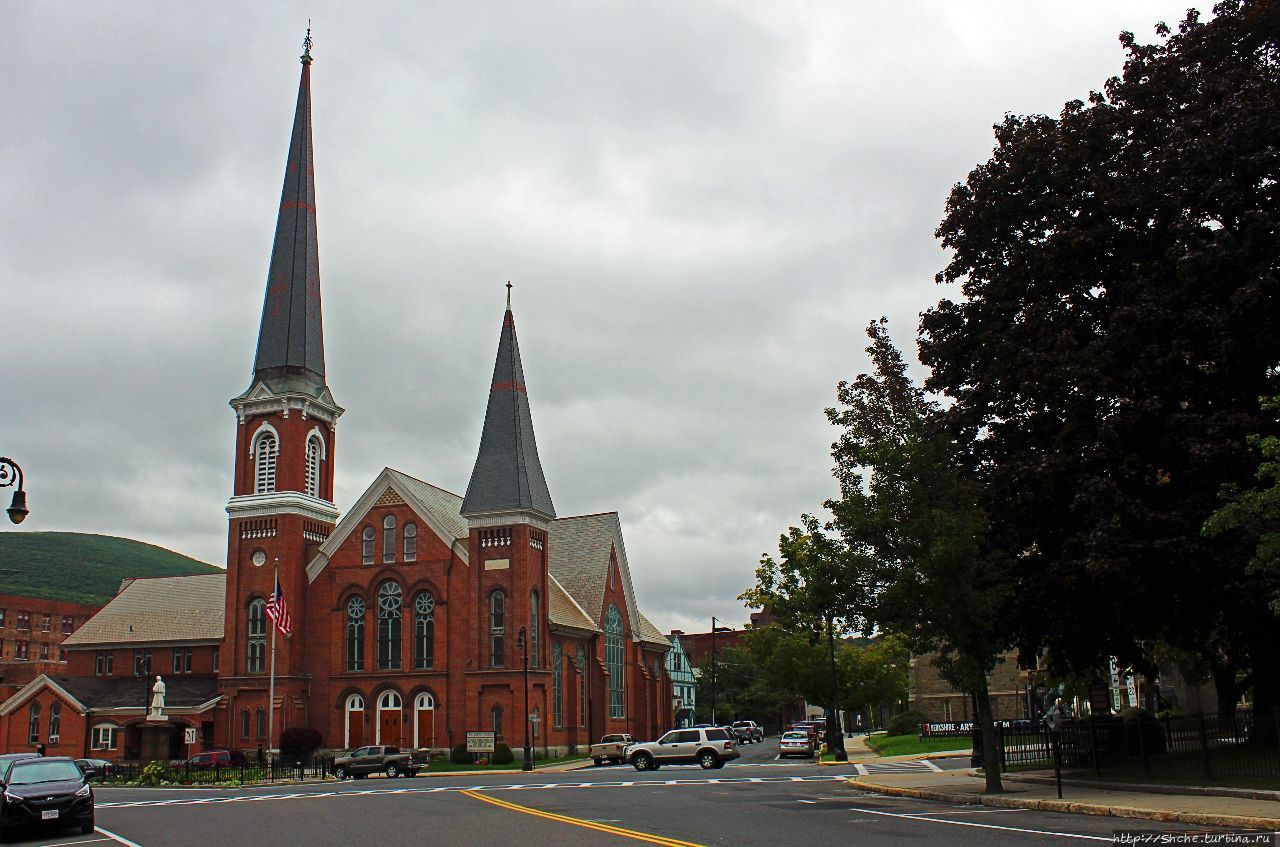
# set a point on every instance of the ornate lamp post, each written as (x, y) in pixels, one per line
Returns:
(11, 475)
(523, 644)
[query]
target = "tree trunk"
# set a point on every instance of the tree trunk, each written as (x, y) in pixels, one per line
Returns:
(835, 735)
(1228, 692)
(990, 741)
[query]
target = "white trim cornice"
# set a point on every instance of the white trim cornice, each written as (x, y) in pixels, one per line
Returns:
(507, 519)
(261, 400)
(281, 503)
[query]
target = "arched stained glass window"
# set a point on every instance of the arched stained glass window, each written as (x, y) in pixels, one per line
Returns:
(613, 661)
(533, 628)
(424, 631)
(355, 633)
(366, 545)
(497, 629)
(390, 608)
(33, 724)
(581, 662)
(389, 538)
(410, 542)
(257, 635)
(557, 684)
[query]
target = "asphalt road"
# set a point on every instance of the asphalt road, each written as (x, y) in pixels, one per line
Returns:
(756, 801)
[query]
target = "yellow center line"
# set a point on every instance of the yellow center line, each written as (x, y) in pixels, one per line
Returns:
(599, 827)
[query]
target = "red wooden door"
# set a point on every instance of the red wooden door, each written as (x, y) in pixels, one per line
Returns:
(426, 727)
(355, 729)
(390, 720)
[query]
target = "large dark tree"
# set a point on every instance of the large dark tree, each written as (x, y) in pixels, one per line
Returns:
(1118, 324)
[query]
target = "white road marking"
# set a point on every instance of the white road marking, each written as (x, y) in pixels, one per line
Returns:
(929, 763)
(82, 841)
(118, 838)
(910, 817)
(810, 802)
(964, 812)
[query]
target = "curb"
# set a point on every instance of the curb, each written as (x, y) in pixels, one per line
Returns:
(1239, 821)
(1150, 788)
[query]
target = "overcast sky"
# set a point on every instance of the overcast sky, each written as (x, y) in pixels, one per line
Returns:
(701, 205)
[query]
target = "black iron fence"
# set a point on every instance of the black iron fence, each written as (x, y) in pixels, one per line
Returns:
(1192, 748)
(188, 773)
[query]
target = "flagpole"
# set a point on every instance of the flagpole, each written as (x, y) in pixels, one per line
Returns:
(271, 687)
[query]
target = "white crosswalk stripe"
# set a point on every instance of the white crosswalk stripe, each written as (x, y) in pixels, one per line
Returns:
(865, 769)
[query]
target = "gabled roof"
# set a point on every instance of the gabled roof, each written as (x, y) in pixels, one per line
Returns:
(507, 476)
(158, 609)
(565, 611)
(437, 507)
(580, 561)
(291, 336)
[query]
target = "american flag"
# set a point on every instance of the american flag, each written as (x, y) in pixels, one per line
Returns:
(278, 611)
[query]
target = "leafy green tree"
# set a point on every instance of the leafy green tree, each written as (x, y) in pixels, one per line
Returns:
(916, 535)
(1119, 265)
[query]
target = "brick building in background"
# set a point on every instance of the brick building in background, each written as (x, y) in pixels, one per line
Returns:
(410, 615)
(32, 630)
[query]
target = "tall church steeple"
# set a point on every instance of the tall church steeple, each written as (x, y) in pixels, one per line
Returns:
(508, 475)
(291, 337)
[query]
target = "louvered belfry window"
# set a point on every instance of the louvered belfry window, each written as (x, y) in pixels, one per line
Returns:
(313, 466)
(264, 451)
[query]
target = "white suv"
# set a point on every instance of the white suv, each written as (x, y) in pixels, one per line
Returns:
(710, 747)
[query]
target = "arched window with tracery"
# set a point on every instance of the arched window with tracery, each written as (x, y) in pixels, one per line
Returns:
(613, 661)
(557, 684)
(315, 450)
(366, 545)
(257, 635)
(424, 631)
(33, 724)
(355, 634)
(533, 628)
(410, 542)
(265, 449)
(497, 629)
(262, 722)
(389, 538)
(55, 720)
(581, 662)
(495, 719)
(390, 614)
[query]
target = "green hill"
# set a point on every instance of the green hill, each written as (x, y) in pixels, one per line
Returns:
(80, 567)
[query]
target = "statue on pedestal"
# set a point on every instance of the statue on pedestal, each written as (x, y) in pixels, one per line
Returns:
(157, 701)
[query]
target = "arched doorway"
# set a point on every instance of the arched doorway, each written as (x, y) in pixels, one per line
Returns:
(355, 721)
(424, 720)
(390, 709)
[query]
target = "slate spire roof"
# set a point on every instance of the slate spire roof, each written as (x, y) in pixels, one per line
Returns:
(291, 340)
(508, 475)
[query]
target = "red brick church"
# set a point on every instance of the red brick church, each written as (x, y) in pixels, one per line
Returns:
(411, 613)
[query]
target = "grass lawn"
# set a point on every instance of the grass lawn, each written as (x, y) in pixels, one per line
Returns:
(443, 765)
(907, 745)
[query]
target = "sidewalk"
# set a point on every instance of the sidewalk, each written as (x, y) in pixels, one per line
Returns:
(964, 786)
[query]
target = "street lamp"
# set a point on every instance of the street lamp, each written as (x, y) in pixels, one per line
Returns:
(524, 660)
(11, 474)
(714, 630)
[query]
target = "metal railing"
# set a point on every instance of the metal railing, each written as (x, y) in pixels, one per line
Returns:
(187, 773)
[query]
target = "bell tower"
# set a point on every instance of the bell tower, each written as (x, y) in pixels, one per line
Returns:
(281, 507)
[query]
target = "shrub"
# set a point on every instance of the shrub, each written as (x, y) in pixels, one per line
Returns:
(299, 742)
(154, 773)
(459, 755)
(907, 723)
(502, 754)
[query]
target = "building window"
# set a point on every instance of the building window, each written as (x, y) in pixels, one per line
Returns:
(217, 657)
(244, 724)
(264, 451)
(2, 619)
(21, 649)
(33, 724)
(262, 722)
(410, 542)
(581, 662)
(44, 651)
(533, 628)
(68, 624)
(314, 449)
(366, 545)
(389, 538)
(424, 631)
(613, 661)
(355, 634)
(557, 684)
(257, 644)
(495, 718)
(55, 720)
(182, 660)
(946, 710)
(46, 622)
(62, 654)
(390, 606)
(103, 737)
(102, 663)
(142, 662)
(24, 620)
(497, 629)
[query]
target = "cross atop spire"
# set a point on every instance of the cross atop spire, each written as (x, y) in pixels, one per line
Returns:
(508, 474)
(291, 337)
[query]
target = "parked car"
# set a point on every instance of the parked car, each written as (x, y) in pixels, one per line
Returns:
(45, 791)
(816, 729)
(7, 760)
(378, 758)
(710, 748)
(612, 748)
(96, 768)
(795, 742)
(748, 732)
(215, 759)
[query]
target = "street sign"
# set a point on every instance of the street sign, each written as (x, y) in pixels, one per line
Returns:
(480, 742)
(191, 735)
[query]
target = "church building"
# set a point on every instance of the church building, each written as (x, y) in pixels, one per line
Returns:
(411, 617)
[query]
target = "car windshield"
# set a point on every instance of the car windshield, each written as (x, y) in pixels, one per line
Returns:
(36, 771)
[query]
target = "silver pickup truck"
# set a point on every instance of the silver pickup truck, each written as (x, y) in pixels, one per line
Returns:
(710, 747)
(612, 748)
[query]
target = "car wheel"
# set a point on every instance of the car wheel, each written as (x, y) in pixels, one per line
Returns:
(643, 762)
(707, 760)
(86, 828)
(598, 762)
(392, 771)
(340, 773)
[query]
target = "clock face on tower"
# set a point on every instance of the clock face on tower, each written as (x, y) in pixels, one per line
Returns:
(259, 558)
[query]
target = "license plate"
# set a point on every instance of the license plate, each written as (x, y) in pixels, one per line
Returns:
(49, 814)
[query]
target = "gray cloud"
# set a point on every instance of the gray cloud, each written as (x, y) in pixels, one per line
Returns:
(701, 205)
